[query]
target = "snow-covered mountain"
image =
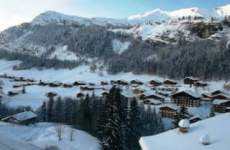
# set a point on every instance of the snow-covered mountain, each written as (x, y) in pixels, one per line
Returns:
(223, 11)
(104, 41)
(52, 17)
(157, 15)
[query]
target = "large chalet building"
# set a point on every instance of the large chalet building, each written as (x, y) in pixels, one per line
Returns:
(186, 98)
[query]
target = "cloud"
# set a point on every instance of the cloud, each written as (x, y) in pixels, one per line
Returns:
(13, 12)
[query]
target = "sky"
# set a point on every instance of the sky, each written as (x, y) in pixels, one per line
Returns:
(13, 12)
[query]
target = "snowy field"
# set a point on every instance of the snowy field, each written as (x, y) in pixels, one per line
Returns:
(81, 73)
(43, 135)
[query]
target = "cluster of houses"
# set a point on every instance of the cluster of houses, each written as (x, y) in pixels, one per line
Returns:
(218, 99)
(167, 95)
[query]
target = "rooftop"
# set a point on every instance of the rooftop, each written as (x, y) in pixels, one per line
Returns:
(217, 128)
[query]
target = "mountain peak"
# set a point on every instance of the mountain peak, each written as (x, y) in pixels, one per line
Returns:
(49, 17)
(156, 15)
(193, 12)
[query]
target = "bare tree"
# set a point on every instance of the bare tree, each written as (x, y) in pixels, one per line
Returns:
(60, 131)
(71, 134)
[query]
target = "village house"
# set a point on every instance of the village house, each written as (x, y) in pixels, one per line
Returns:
(168, 112)
(24, 118)
(216, 92)
(220, 96)
(186, 98)
(155, 83)
(200, 84)
(190, 80)
(170, 82)
(155, 96)
(221, 106)
(136, 82)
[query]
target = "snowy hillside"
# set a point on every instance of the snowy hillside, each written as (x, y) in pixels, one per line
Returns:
(43, 135)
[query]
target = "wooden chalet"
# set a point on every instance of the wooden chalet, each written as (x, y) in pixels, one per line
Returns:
(86, 88)
(79, 83)
(136, 82)
(190, 80)
(155, 96)
(24, 118)
(200, 84)
(187, 99)
(220, 96)
(221, 106)
(155, 83)
(67, 85)
(168, 112)
(55, 84)
(104, 83)
(216, 92)
(138, 91)
(122, 82)
(169, 82)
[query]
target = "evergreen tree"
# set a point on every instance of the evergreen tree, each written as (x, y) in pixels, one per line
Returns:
(44, 112)
(134, 126)
(85, 113)
(112, 139)
(183, 114)
(68, 111)
(50, 106)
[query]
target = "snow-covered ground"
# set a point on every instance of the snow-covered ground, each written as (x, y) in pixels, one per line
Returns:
(82, 73)
(120, 47)
(42, 135)
(217, 128)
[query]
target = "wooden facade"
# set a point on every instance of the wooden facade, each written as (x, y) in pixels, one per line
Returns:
(185, 99)
(190, 80)
(155, 83)
(170, 82)
(167, 112)
(222, 107)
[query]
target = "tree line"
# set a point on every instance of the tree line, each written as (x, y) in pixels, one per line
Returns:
(118, 122)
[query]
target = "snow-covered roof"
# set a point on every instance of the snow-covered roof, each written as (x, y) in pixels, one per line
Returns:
(219, 101)
(217, 128)
(192, 78)
(189, 92)
(24, 116)
(184, 123)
